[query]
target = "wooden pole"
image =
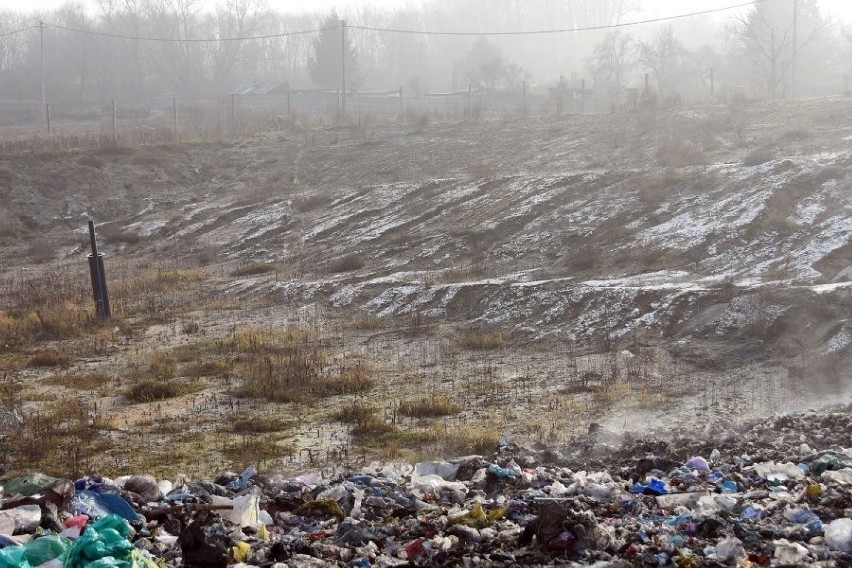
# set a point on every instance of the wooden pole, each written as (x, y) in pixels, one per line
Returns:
(400, 104)
(470, 101)
(43, 73)
(712, 83)
(174, 116)
(795, 47)
(524, 99)
(234, 112)
(47, 115)
(288, 102)
(343, 63)
(114, 123)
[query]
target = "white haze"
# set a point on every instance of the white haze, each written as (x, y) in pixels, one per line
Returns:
(840, 9)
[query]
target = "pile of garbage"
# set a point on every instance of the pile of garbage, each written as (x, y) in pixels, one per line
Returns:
(773, 493)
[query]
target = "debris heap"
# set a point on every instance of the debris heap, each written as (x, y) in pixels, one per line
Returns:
(773, 493)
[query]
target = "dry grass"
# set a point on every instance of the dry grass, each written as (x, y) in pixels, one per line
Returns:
(365, 321)
(155, 390)
(53, 357)
(249, 449)
(429, 406)
(21, 328)
(252, 269)
(157, 281)
(612, 392)
(481, 340)
(64, 439)
(355, 413)
(80, 381)
(246, 423)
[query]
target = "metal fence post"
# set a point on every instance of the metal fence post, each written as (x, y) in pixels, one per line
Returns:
(98, 276)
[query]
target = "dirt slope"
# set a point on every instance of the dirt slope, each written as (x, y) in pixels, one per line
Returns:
(718, 236)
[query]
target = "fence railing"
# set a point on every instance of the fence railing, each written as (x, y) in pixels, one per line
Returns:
(65, 124)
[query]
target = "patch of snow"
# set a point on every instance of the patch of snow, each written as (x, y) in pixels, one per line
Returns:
(840, 341)
(146, 228)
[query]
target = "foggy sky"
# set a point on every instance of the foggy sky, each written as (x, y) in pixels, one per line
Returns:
(842, 9)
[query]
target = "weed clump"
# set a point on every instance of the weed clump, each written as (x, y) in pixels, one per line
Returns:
(437, 404)
(51, 358)
(154, 390)
(481, 340)
(355, 413)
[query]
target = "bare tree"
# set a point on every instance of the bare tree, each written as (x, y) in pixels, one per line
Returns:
(767, 35)
(662, 56)
(233, 19)
(12, 54)
(611, 60)
(180, 61)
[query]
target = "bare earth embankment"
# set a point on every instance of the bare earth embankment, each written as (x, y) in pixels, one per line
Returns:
(419, 291)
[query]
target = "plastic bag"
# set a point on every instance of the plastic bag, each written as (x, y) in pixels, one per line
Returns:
(104, 543)
(99, 505)
(28, 485)
(838, 535)
(46, 548)
(14, 557)
(24, 519)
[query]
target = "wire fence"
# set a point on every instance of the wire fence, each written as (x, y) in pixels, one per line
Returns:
(64, 124)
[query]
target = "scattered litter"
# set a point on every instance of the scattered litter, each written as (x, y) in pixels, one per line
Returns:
(780, 496)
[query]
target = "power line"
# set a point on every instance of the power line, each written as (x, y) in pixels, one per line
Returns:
(402, 31)
(18, 31)
(192, 40)
(560, 30)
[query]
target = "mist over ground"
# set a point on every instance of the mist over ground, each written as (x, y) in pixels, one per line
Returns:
(139, 49)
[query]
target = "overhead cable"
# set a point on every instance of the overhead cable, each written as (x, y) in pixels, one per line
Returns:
(403, 31)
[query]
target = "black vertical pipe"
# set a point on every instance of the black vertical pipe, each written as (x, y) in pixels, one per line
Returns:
(98, 276)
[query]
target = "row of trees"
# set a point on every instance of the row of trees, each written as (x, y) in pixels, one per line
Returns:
(767, 49)
(145, 48)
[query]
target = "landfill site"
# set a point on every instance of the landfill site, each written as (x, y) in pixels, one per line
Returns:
(616, 339)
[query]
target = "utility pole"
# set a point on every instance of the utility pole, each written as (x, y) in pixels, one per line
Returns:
(343, 63)
(43, 82)
(795, 47)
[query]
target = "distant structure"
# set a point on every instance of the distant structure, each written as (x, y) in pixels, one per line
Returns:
(256, 88)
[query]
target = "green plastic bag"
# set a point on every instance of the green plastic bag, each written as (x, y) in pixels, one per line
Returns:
(29, 485)
(104, 544)
(828, 462)
(14, 557)
(46, 548)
